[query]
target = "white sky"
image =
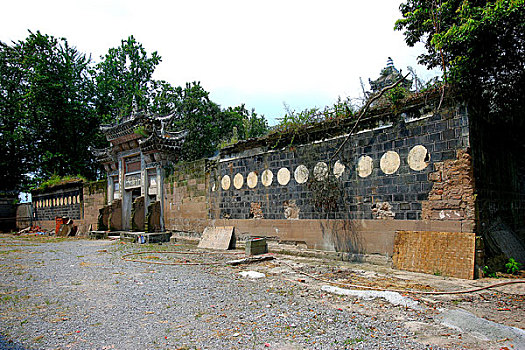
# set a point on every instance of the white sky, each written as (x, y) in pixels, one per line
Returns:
(261, 53)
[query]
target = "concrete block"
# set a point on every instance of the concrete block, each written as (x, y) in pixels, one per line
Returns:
(256, 246)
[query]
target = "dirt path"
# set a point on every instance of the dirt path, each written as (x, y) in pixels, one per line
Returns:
(79, 294)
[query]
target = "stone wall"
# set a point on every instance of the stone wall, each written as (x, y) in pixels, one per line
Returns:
(58, 201)
(441, 253)
(8, 213)
(370, 178)
(452, 194)
(498, 155)
(137, 214)
(385, 178)
(24, 216)
(185, 207)
(94, 198)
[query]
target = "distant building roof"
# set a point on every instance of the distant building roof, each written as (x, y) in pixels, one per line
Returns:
(389, 75)
(141, 131)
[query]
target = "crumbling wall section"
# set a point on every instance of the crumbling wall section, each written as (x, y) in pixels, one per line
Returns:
(185, 205)
(452, 194)
(94, 198)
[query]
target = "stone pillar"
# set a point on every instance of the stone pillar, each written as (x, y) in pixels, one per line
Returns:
(144, 186)
(121, 176)
(160, 196)
(111, 187)
(123, 197)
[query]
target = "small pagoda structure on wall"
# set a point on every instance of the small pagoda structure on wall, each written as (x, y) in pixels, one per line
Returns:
(139, 150)
(388, 76)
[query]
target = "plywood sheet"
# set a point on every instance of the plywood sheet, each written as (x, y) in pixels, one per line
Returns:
(220, 237)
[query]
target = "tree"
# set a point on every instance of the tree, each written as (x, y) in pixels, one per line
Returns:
(124, 79)
(14, 140)
(48, 115)
(248, 123)
(479, 44)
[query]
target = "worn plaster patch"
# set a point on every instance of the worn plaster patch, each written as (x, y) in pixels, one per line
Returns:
(226, 182)
(256, 210)
(291, 210)
(301, 174)
(390, 162)
(251, 180)
(238, 181)
(365, 164)
(418, 158)
(283, 176)
(267, 177)
(382, 210)
(339, 169)
(321, 171)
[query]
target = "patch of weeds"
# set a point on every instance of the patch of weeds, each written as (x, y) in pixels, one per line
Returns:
(512, 266)
(352, 341)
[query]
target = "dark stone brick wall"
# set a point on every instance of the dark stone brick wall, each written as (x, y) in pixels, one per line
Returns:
(350, 196)
(499, 157)
(65, 201)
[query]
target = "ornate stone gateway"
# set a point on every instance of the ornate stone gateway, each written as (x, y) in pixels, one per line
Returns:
(138, 152)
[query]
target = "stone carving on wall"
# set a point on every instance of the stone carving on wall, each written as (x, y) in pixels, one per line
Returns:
(225, 182)
(339, 169)
(365, 166)
(267, 177)
(418, 158)
(251, 180)
(321, 171)
(301, 174)
(390, 162)
(283, 176)
(238, 181)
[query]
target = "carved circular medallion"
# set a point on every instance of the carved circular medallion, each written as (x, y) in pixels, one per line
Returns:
(339, 169)
(238, 181)
(321, 171)
(390, 162)
(251, 180)
(267, 177)
(365, 164)
(225, 182)
(301, 174)
(418, 158)
(283, 176)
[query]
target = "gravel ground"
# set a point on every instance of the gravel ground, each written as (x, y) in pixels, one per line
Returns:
(79, 294)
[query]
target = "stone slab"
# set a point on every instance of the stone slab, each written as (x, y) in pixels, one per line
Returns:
(219, 237)
(143, 237)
